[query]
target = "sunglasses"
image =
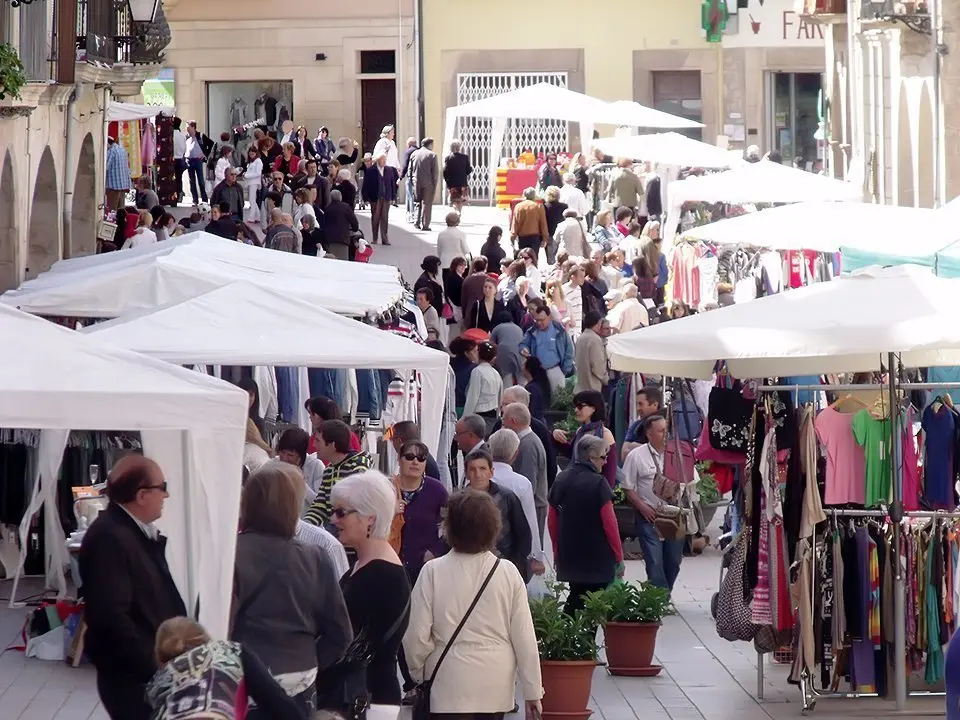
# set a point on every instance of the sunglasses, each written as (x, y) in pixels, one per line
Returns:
(342, 512)
(410, 457)
(162, 487)
(581, 405)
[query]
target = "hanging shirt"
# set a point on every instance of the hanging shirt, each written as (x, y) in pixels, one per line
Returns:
(939, 426)
(874, 437)
(801, 266)
(911, 470)
(846, 465)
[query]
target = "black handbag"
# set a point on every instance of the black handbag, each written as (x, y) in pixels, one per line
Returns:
(421, 700)
(342, 688)
(729, 415)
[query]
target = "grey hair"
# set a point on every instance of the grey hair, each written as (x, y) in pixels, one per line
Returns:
(518, 413)
(455, 146)
(630, 290)
(517, 394)
(530, 194)
(588, 446)
(344, 174)
(475, 424)
(569, 178)
(504, 445)
(309, 220)
(372, 496)
(336, 196)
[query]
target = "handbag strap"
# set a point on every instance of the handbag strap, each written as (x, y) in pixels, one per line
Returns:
(463, 622)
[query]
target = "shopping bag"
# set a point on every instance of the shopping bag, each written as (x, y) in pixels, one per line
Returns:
(537, 587)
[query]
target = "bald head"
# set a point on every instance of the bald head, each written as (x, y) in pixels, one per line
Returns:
(276, 216)
(138, 484)
(287, 219)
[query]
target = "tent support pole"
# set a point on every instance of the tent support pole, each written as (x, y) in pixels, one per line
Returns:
(896, 514)
(191, 599)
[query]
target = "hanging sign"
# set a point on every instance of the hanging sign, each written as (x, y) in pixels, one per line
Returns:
(774, 23)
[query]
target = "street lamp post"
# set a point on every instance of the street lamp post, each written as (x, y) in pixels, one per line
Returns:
(143, 11)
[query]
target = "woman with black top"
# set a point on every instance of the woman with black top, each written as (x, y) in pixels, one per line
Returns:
(554, 210)
(430, 279)
(453, 286)
(491, 249)
(578, 166)
(538, 385)
(488, 312)
(376, 590)
(345, 145)
(302, 146)
(464, 360)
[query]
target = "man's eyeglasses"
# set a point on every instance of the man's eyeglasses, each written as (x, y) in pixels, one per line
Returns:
(342, 512)
(410, 457)
(162, 487)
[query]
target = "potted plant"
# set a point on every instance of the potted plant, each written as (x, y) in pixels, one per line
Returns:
(709, 492)
(561, 407)
(568, 655)
(12, 73)
(631, 614)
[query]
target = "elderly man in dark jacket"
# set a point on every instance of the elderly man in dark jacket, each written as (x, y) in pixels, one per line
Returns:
(127, 585)
(230, 192)
(339, 222)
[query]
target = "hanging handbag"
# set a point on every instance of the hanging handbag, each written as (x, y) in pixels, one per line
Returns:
(342, 688)
(733, 614)
(421, 701)
(729, 417)
(663, 487)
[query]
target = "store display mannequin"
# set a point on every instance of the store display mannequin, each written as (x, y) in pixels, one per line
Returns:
(265, 107)
(239, 112)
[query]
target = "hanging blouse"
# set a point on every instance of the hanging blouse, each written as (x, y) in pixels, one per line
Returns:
(846, 463)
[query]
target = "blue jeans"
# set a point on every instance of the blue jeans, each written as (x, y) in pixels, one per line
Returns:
(662, 557)
(411, 203)
(197, 180)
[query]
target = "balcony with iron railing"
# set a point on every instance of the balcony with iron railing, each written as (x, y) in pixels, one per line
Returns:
(107, 34)
(914, 14)
(824, 8)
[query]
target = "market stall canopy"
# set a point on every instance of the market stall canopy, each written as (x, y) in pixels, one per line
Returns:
(845, 325)
(633, 114)
(668, 149)
(121, 111)
(244, 324)
(113, 284)
(545, 101)
(824, 227)
(761, 182)
(58, 380)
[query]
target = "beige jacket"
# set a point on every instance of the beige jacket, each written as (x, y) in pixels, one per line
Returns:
(590, 358)
(497, 642)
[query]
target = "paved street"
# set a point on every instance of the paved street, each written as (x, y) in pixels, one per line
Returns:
(704, 678)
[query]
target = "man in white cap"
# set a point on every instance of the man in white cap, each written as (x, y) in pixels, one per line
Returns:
(625, 311)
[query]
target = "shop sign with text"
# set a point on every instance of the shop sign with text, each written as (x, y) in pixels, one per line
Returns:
(773, 23)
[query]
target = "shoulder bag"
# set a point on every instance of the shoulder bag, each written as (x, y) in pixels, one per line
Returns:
(343, 687)
(421, 702)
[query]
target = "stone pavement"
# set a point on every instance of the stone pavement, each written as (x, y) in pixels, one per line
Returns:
(704, 677)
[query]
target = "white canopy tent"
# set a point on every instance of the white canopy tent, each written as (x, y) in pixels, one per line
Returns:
(667, 148)
(131, 281)
(821, 226)
(551, 102)
(57, 380)
(121, 111)
(761, 182)
(243, 324)
(846, 325)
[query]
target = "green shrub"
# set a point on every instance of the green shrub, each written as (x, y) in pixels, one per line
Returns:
(629, 602)
(12, 73)
(559, 636)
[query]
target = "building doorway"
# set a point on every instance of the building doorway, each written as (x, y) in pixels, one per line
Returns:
(793, 116)
(378, 107)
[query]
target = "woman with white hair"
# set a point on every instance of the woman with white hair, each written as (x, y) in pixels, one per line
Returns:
(376, 591)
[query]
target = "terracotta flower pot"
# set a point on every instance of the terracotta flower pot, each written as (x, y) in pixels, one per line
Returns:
(566, 688)
(630, 648)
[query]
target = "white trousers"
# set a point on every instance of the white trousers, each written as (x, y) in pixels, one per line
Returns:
(556, 377)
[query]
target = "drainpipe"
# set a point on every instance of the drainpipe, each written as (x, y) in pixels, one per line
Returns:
(418, 29)
(69, 174)
(102, 160)
(939, 49)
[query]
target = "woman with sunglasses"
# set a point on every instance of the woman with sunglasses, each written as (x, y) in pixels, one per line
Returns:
(590, 411)
(376, 590)
(415, 533)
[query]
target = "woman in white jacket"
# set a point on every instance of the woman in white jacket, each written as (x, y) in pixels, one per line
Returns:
(497, 641)
(254, 179)
(452, 242)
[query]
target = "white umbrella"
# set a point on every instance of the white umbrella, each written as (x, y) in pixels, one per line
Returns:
(667, 148)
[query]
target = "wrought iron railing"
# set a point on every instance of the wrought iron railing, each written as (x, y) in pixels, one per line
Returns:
(915, 14)
(106, 34)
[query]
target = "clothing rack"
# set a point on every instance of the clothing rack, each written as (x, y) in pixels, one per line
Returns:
(809, 694)
(895, 513)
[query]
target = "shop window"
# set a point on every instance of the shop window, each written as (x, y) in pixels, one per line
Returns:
(793, 116)
(678, 93)
(378, 62)
(232, 105)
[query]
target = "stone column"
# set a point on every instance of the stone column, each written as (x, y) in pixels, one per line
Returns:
(950, 99)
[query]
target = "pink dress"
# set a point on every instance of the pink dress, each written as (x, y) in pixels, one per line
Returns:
(911, 469)
(846, 464)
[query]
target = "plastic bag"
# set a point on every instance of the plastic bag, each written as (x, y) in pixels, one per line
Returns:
(537, 587)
